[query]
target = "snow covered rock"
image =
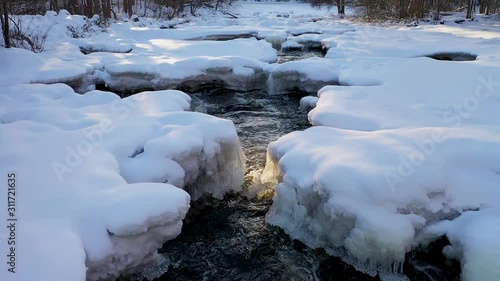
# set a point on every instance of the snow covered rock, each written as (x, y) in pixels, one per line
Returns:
(308, 75)
(276, 38)
(308, 102)
(310, 41)
(291, 46)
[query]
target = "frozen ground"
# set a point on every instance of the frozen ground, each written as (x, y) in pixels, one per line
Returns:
(400, 142)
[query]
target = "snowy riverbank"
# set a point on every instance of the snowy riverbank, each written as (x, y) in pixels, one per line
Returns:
(404, 149)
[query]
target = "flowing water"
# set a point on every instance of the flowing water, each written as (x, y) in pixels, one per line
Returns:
(229, 239)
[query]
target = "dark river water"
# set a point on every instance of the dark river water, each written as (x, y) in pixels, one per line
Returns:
(230, 240)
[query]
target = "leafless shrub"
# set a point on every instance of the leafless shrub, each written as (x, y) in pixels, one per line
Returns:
(22, 36)
(87, 29)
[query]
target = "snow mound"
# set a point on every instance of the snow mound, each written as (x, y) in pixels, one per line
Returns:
(96, 175)
(188, 65)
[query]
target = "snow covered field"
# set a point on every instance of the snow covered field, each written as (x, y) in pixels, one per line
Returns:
(403, 150)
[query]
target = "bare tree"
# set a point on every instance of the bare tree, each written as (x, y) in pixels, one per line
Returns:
(341, 7)
(411, 9)
(5, 22)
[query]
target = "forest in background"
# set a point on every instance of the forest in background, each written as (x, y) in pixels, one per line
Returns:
(169, 9)
(412, 9)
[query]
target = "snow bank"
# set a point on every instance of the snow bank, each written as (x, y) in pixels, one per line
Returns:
(95, 176)
(369, 41)
(188, 74)
(366, 195)
(399, 100)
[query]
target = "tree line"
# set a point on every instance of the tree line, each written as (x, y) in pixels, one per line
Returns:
(416, 9)
(168, 9)
(106, 9)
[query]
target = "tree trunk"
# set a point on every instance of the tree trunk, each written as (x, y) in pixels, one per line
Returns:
(106, 9)
(57, 7)
(402, 9)
(341, 7)
(470, 8)
(438, 10)
(5, 23)
(485, 7)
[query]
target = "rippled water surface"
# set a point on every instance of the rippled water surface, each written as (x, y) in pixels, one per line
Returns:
(229, 239)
